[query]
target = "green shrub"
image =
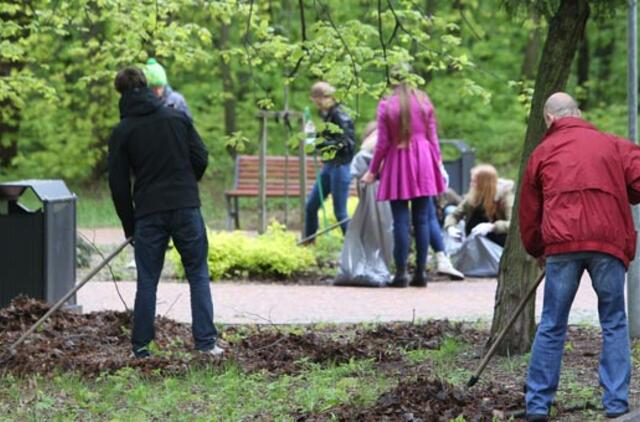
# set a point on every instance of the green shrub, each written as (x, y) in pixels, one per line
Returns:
(273, 254)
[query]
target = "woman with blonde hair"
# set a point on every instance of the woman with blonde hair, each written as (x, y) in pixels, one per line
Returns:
(407, 160)
(337, 148)
(487, 207)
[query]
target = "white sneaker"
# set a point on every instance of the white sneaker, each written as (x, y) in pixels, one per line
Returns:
(216, 351)
(444, 266)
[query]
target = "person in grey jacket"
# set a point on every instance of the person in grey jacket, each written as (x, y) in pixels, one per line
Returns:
(157, 81)
(367, 251)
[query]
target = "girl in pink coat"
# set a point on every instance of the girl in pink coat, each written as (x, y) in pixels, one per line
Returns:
(407, 160)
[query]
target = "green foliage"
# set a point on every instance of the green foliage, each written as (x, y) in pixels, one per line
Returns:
(272, 254)
(65, 55)
(58, 61)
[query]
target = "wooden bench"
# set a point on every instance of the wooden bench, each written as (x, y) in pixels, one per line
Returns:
(247, 181)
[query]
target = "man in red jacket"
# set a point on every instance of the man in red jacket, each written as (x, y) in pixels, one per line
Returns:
(575, 215)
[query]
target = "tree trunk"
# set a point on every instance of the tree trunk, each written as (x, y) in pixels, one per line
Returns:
(228, 88)
(430, 10)
(517, 269)
(532, 50)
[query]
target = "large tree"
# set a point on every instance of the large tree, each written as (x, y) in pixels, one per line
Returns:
(567, 20)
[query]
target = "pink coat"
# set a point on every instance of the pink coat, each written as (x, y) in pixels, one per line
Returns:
(413, 171)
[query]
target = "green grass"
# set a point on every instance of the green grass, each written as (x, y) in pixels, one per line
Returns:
(216, 394)
(95, 208)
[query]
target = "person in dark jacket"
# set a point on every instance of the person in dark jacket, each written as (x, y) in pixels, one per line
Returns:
(159, 149)
(337, 147)
(575, 216)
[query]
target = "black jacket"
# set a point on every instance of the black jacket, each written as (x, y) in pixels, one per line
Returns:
(159, 149)
(344, 144)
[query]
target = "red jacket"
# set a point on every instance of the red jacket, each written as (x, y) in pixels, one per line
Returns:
(576, 192)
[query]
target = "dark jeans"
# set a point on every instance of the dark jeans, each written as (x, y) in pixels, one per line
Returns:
(334, 180)
(421, 213)
(563, 277)
(435, 231)
(189, 234)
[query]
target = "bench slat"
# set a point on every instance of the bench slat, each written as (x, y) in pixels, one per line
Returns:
(247, 177)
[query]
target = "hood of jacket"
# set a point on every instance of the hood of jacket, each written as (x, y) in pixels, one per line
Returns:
(138, 102)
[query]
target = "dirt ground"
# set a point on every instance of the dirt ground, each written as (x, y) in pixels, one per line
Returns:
(96, 343)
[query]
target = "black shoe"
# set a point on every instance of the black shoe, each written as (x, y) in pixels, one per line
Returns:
(614, 415)
(400, 279)
(537, 418)
(419, 279)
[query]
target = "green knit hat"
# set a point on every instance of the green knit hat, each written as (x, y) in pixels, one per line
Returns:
(155, 73)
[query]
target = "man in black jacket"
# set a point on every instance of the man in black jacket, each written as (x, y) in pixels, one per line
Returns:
(160, 149)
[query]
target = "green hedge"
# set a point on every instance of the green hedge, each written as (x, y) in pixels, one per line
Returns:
(273, 254)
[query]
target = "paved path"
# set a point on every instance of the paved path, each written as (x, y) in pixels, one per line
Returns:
(238, 303)
(280, 304)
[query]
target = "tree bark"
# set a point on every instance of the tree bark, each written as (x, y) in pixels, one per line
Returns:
(517, 269)
(228, 87)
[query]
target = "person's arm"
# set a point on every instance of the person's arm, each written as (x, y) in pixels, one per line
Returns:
(458, 214)
(120, 182)
(530, 211)
(502, 226)
(360, 164)
(383, 144)
(198, 153)
(432, 130)
(630, 154)
(345, 138)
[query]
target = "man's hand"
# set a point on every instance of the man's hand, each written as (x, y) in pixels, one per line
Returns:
(454, 232)
(368, 178)
(483, 229)
(541, 261)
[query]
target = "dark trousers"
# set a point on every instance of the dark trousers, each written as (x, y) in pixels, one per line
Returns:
(152, 232)
(420, 216)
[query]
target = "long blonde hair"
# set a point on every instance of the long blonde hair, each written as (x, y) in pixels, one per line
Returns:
(483, 190)
(369, 136)
(404, 94)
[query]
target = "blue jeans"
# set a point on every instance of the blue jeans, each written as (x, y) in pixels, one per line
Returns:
(421, 213)
(151, 237)
(435, 232)
(563, 277)
(335, 180)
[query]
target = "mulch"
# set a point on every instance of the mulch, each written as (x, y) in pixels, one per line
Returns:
(97, 343)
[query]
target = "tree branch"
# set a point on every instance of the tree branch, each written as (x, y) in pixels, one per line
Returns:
(382, 44)
(356, 75)
(303, 26)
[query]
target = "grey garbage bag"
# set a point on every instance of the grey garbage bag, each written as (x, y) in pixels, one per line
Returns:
(367, 251)
(478, 257)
